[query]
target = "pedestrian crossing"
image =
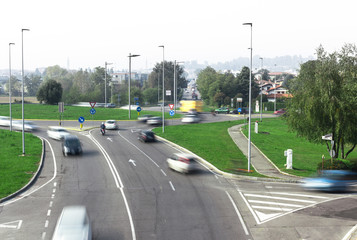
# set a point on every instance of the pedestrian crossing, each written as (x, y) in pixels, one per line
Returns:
(266, 206)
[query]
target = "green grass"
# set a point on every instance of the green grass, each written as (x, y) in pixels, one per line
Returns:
(210, 141)
(41, 111)
(274, 138)
(16, 170)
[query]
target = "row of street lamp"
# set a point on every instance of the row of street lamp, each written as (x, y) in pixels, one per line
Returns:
(163, 89)
(22, 87)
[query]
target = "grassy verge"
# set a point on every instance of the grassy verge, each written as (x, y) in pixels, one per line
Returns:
(17, 170)
(274, 138)
(210, 141)
(41, 111)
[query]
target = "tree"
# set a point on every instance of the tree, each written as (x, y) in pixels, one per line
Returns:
(15, 86)
(32, 84)
(155, 77)
(324, 99)
(50, 92)
(150, 95)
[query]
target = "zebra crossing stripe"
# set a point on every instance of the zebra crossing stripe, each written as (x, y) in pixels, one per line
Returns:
(279, 198)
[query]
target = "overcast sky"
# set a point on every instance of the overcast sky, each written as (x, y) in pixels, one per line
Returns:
(88, 33)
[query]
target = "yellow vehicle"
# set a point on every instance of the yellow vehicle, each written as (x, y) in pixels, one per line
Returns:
(187, 105)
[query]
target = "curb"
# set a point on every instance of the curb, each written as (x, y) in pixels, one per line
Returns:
(32, 180)
(225, 174)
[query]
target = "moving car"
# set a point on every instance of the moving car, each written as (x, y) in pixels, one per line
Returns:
(4, 121)
(279, 112)
(111, 125)
(331, 181)
(145, 117)
(73, 223)
(182, 162)
(71, 145)
(191, 118)
(146, 136)
(57, 132)
(154, 121)
(222, 110)
(28, 126)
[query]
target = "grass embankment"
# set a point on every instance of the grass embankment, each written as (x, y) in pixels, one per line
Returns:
(274, 138)
(16, 170)
(41, 111)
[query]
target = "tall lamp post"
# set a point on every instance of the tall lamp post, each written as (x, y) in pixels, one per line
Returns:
(250, 93)
(175, 85)
(105, 84)
(23, 75)
(130, 56)
(163, 87)
(10, 84)
(261, 93)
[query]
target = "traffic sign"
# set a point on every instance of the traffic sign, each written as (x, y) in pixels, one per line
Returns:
(137, 103)
(171, 106)
(81, 119)
(92, 104)
(172, 112)
(92, 111)
(138, 109)
(239, 110)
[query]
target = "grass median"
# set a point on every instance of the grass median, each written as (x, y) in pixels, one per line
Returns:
(43, 111)
(210, 141)
(16, 170)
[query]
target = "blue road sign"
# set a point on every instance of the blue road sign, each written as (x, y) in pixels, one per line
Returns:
(137, 103)
(136, 98)
(81, 119)
(172, 112)
(239, 110)
(92, 111)
(138, 109)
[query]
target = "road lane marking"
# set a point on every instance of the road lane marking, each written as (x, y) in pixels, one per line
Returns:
(46, 224)
(238, 213)
(49, 212)
(172, 186)
(163, 172)
(139, 150)
(272, 208)
(276, 203)
(278, 198)
(133, 162)
(118, 182)
(14, 224)
(299, 195)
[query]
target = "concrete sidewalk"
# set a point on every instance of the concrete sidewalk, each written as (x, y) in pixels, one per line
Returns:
(260, 162)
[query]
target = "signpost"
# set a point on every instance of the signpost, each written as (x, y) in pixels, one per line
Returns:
(239, 110)
(60, 110)
(138, 109)
(81, 121)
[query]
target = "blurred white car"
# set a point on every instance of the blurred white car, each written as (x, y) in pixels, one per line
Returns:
(28, 126)
(182, 162)
(73, 223)
(4, 121)
(191, 118)
(57, 133)
(154, 121)
(111, 125)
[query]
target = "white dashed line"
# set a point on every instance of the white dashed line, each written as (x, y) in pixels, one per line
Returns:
(172, 186)
(49, 212)
(163, 172)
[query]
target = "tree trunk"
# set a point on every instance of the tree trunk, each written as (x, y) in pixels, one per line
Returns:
(350, 150)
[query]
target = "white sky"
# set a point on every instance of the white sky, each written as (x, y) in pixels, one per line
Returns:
(90, 33)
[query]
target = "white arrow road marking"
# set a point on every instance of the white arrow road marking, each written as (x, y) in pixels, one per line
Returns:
(109, 139)
(17, 225)
(133, 162)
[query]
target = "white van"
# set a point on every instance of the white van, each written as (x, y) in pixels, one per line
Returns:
(73, 223)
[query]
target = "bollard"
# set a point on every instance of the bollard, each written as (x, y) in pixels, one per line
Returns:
(289, 158)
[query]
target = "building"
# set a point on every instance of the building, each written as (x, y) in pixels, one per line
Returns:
(123, 77)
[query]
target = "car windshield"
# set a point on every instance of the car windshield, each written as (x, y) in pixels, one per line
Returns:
(72, 142)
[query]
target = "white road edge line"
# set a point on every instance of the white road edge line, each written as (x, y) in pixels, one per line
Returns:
(54, 176)
(238, 213)
(118, 182)
(348, 235)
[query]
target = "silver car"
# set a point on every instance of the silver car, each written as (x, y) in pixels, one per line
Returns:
(73, 223)
(4, 121)
(182, 162)
(111, 125)
(28, 126)
(57, 133)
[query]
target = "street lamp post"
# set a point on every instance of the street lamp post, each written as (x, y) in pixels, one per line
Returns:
(163, 87)
(23, 75)
(250, 93)
(105, 84)
(261, 93)
(175, 87)
(10, 84)
(130, 56)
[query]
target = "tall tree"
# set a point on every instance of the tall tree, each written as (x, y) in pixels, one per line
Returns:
(50, 92)
(324, 99)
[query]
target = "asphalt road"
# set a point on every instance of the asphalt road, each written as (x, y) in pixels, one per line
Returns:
(131, 194)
